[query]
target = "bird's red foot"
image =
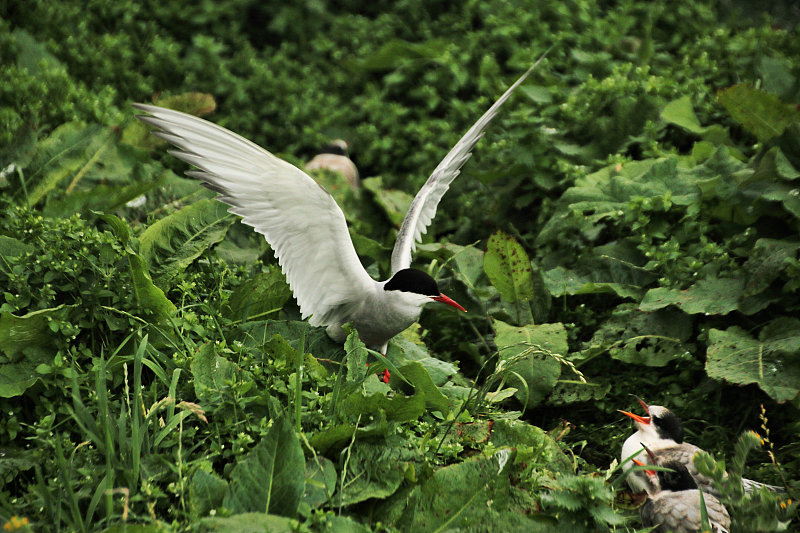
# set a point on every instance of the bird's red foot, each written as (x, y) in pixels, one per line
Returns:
(383, 376)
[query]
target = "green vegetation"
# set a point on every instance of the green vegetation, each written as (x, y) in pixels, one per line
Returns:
(629, 225)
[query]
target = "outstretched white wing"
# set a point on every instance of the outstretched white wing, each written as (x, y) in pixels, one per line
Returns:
(299, 218)
(423, 208)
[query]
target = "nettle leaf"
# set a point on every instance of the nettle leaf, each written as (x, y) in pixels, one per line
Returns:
(376, 470)
(644, 338)
(520, 354)
(461, 495)
(772, 362)
(175, 241)
(760, 113)
(508, 268)
(681, 113)
(263, 294)
(713, 296)
(271, 477)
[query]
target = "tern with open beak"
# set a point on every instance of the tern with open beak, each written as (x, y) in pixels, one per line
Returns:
(307, 229)
(661, 431)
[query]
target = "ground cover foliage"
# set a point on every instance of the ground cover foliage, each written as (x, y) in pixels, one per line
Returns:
(629, 225)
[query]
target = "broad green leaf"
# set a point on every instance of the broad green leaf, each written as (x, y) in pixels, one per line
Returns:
(607, 193)
(760, 113)
(713, 296)
(770, 258)
(457, 496)
(569, 392)
(773, 165)
(119, 227)
(376, 406)
(19, 334)
(150, 298)
(320, 481)
(645, 338)
(206, 492)
(10, 249)
(376, 470)
(248, 523)
(271, 477)
(210, 372)
(314, 340)
(616, 267)
(175, 241)
(332, 437)
(31, 53)
(356, 359)
(344, 524)
(263, 294)
(419, 377)
(533, 444)
(26, 342)
(681, 113)
(772, 362)
(396, 52)
(524, 351)
(508, 268)
(68, 153)
(395, 203)
(402, 351)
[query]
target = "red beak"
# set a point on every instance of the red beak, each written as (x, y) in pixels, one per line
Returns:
(447, 300)
(641, 419)
(640, 463)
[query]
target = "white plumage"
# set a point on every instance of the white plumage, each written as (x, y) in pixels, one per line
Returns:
(307, 230)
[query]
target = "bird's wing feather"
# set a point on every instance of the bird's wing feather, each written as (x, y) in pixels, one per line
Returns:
(684, 453)
(423, 207)
(299, 218)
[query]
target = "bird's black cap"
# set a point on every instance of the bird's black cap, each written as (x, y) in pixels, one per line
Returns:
(412, 280)
(669, 425)
(677, 479)
(335, 147)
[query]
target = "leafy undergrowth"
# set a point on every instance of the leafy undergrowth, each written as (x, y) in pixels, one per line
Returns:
(630, 225)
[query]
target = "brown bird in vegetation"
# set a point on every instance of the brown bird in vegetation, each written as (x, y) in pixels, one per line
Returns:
(334, 157)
